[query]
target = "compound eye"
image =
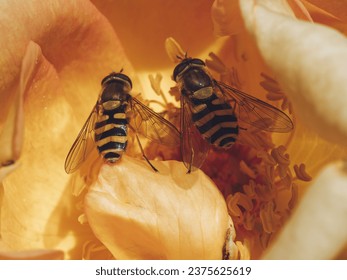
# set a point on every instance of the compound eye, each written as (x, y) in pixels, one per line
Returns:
(107, 78)
(125, 78)
(179, 69)
(197, 61)
(116, 76)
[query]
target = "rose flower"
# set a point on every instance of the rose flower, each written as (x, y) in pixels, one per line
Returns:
(54, 56)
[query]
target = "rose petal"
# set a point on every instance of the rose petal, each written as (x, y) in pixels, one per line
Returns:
(317, 229)
(148, 215)
(144, 29)
(321, 13)
(11, 133)
(5, 170)
(289, 47)
(250, 65)
(226, 17)
(334, 7)
(300, 10)
(79, 47)
(33, 255)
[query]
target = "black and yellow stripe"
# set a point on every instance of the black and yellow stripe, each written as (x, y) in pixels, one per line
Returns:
(215, 120)
(111, 133)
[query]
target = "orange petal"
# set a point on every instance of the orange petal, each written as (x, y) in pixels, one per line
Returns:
(144, 29)
(317, 229)
(226, 17)
(33, 255)
(289, 47)
(12, 117)
(148, 215)
(334, 7)
(77, 47)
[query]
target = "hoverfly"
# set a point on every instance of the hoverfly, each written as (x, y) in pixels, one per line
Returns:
(107, 125)
(211, 112)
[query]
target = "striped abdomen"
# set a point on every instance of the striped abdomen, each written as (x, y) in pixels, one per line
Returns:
(216, 121)
(111, 133)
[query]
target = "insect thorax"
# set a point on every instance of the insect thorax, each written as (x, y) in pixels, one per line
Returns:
(113, 96)
(116, 90)
(195, 81)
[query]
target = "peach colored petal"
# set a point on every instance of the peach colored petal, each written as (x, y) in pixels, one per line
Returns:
(334, 7)
(143, 29)
(11, 133)
(12, 124)
(166, 215)
(306, 146)
(7, 169)
(327, 17)
(317, 229)
(74, 37)
(77, 47)
(226, 17)
(33, 255)
(300, 10)
(289, 47)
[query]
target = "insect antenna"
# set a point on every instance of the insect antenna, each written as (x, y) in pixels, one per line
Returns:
(179, 57)
(182, 58)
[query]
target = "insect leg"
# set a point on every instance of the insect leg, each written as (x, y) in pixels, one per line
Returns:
(143, 154)
(191, 157)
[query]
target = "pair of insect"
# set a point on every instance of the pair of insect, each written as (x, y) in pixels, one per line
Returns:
(210, 114)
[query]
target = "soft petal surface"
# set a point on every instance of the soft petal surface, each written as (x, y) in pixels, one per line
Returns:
(286, 45)
(144, 29)
(74, 47)
(166, 215)
(56, 53)
(33, 255)
(317, 229)
(226, 17)
(241, 52)
(263, 49)
(334, 7)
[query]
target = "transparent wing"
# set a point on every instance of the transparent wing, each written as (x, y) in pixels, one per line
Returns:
(193, 147)
(82, 146)
(170, 112)
(152, 125)
(255, 111)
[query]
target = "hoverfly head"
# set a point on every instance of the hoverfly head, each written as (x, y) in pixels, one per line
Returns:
(117, 76)
(185, 64)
